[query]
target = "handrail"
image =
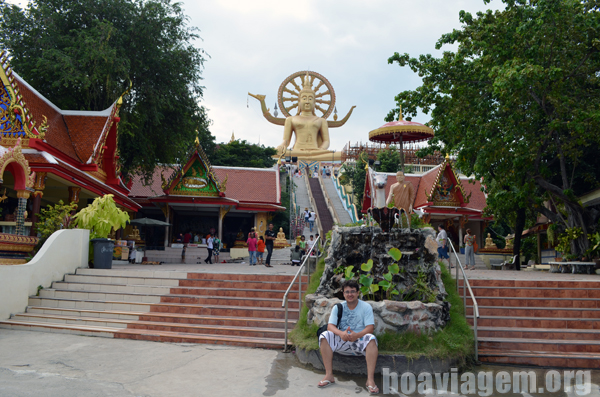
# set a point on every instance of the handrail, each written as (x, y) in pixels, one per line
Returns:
(466, 284)
(341, 191)
(285, 296)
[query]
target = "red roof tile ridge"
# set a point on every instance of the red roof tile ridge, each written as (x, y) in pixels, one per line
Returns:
(224, 167)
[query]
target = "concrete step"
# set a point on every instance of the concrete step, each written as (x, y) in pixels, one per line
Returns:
(121, 280)
(541, 292)
(160, 290)
(258, 332)
(233, 321)
(169, 298)
(546, 312)
(540, 345)
(541, 359)
(142, 334)
(538, 333)
(581, 303)
(532, 284)
(179, 308)
(536, 322)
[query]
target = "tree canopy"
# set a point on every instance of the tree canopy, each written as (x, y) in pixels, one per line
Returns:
(389, 158)
(243, 154)
(82, 55)
(519, 103)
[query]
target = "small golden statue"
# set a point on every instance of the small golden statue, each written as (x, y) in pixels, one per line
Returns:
(489, 242)
(509, 241)
(280, 241)
(134, 235)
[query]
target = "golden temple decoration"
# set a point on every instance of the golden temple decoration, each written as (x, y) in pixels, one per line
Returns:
(223, 185)
(4, 196)
(223, 210)
(15, 118)
(15, 155)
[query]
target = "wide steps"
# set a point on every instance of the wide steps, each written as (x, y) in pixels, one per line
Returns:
(540, 323)
(166, 317)
(235, 309)
(141, 334)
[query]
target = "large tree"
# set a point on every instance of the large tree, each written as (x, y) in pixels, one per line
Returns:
(519, 102)
(243, 154)
(82, 55)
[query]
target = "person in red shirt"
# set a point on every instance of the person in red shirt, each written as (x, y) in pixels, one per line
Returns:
(260, 250)
(252, 243)
(187, 237)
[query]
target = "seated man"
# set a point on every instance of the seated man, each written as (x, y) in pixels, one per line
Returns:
(353, 337)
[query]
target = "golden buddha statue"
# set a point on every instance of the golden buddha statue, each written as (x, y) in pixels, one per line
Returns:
(311, 131)
(280, 241)
(489, 242)
(509, 241)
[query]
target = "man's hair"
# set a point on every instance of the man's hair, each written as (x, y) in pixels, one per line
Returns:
(270, 224)
(350, 284)
(441, 226)
(311, 236)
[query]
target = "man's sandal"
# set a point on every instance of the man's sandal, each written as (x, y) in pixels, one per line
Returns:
(324, 383)
(373, 390)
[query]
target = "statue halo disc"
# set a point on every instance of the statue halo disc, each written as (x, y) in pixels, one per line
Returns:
(289, 90)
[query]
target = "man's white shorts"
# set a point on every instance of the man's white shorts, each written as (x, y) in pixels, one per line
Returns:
(356, 348)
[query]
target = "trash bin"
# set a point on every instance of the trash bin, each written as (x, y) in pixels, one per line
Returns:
(103, 253)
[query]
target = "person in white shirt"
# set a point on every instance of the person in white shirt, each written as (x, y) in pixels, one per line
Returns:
(442, 240)
(311, 220)
(209, 246)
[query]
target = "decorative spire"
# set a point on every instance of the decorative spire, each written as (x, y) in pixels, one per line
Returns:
(400, 117)
(307, 84)
(232, 137)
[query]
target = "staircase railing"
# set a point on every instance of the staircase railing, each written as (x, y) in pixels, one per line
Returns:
(341, 191)
(285, 296)
(466, 285)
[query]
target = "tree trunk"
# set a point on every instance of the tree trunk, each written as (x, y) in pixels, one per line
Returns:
(519, 226)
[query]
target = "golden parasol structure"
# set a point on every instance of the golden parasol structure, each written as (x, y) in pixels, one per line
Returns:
(401, 131)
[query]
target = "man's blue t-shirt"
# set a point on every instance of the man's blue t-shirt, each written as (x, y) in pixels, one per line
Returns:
(356, 319)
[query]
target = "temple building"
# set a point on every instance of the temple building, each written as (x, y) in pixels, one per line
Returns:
(68, 155)
(201, 199)
(443, 196)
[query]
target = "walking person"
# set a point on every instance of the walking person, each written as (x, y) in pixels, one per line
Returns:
(270, 237)
(306, 215)
(260, 250)
(252, 243)
(311, 220)
(209, 247)
(216, 248)
(469, 241)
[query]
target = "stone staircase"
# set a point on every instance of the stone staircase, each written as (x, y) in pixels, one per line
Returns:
(322, 211)
(165, 306)
(539, 323)
(336, 201)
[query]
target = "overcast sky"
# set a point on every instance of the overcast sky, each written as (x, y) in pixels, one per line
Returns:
(255, 44)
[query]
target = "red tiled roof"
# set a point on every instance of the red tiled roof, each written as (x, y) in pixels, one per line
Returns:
(139, 189)
(35, 158)
(427, 180)
(477, 200)
(85, 132)
(75, 135)
(248, 185)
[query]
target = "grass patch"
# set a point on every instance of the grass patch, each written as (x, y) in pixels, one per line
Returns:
(304, 335)
(455, 341)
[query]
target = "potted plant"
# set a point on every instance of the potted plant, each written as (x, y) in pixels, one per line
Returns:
(100, 217)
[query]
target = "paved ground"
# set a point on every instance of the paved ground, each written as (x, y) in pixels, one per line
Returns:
(45, 364)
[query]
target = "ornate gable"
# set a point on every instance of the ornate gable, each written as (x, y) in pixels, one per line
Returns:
(196, 178)
(15, 120)
(447, 190)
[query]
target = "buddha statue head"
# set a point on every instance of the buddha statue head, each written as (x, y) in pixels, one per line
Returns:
(306, 98)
